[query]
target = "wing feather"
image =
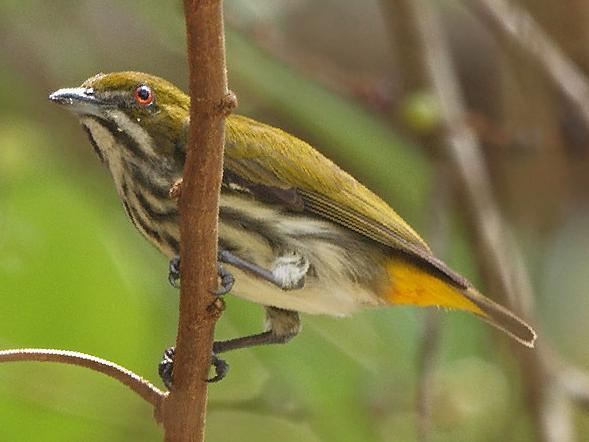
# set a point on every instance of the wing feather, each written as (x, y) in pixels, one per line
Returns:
(268, 157)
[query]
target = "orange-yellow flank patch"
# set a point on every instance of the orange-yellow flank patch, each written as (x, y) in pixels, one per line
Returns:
(413, 286)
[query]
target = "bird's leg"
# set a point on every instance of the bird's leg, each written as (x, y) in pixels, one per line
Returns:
(288, 271)
(281, 327)
(227, 279)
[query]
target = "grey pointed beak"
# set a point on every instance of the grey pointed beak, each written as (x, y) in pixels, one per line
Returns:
(80, 100)
(73, 95)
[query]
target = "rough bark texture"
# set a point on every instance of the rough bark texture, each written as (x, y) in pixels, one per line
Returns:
(185, 408)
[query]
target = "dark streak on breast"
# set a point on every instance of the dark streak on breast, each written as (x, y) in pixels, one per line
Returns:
(154, 213)
(144, 226)
(93, 143)
(123, 139)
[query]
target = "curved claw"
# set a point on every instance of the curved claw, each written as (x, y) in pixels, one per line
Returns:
(227, 280)
(221, 369)
(166, 367)
(174, 272)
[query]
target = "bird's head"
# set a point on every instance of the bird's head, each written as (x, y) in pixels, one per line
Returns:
(132, 107)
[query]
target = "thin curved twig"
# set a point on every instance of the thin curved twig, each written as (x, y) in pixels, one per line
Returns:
(182, 411)
(136, 383)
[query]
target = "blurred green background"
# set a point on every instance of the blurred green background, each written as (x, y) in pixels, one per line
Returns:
(75, 275)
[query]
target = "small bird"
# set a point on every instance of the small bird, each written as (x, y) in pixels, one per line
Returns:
(297, 232)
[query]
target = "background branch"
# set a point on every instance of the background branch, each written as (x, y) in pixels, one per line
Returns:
(427, 362)
(506, 280)
(185, 407)
(407, 44)
(521, 28)
(432, 325)
(534, 142)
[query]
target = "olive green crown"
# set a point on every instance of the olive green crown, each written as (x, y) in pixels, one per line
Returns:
(166, 120)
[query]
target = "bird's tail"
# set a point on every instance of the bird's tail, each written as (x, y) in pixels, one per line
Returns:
(501, 318)
(414, 285)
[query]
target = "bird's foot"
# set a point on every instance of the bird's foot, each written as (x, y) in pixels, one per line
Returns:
(227, 279)
(166, 368)
(174, 272)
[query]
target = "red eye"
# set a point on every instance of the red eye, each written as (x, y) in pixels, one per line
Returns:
(143, 95)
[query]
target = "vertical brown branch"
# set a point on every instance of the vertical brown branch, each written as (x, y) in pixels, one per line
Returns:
(185, 407)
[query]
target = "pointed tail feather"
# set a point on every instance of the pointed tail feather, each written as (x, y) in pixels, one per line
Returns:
(501, 318)
(413, 285)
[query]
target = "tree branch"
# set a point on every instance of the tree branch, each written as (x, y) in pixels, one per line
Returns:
(185, 407)
(182, 411)
(406, 40)
(142, 387)
(576, 383)
(514, 22)
(499, 259)
(428, 358)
